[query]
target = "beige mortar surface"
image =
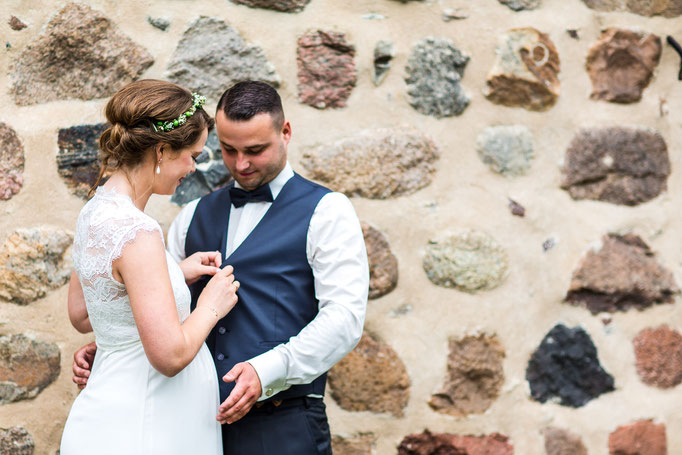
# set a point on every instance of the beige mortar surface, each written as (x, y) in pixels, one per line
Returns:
(464, 194)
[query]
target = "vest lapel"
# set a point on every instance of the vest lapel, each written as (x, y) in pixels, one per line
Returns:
(279, 200)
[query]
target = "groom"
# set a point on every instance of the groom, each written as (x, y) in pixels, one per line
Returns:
(298, 251)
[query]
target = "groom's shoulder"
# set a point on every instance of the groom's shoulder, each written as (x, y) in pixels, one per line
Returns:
(313, 186)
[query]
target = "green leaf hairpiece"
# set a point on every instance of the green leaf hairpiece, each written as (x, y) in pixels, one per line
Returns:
(197, 102)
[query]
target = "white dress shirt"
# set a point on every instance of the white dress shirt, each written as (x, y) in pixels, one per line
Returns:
(336, 253)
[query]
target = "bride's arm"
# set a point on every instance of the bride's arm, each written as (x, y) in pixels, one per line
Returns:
(168, 344)
(78, 313)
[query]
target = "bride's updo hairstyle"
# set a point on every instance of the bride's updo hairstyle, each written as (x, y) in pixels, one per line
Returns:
(134, 113)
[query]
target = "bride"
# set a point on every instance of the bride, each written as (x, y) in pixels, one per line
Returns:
(153, 388)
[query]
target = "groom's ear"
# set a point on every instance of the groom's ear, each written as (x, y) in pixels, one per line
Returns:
(286, 131)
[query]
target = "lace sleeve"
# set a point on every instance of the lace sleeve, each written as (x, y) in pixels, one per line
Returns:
(128, 234)
(104, 228)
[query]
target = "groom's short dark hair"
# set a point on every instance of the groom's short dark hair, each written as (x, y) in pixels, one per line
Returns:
(247, 99)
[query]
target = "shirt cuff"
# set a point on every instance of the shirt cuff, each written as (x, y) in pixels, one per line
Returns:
(271, 371)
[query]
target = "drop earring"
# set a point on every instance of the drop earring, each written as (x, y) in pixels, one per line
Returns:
(158, 167)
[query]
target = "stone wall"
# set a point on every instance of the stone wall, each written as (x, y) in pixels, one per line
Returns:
(515, 165)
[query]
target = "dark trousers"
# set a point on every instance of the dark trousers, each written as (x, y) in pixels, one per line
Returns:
(297, 427)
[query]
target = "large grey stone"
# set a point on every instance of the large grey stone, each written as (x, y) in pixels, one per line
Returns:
(211, 174)
(11, 162)
(435, 70)
(376, 164)
(78, 163)
(79, 54)
(211, 56)
(507, 150)
(16, 441)
(621, 165)
(286, 6)
(666, 8)
(33, 262)
(525, 73)
(469, 261)
(326, 69)
(26, 367)
(621, 64)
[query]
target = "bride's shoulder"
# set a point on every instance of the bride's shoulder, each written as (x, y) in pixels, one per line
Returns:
(112, 214)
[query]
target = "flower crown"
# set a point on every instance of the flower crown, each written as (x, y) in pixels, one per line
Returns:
(197, 102)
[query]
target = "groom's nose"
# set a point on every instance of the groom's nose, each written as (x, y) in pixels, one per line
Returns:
(242, 162)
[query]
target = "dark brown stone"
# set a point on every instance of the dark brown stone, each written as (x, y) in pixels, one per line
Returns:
(26, 367)
(383, 265)
(360, 444)
(526, 71)
(16, 24)
(11, 162)
(621, 165)
(371, 378)
(621, 64)
(16, 441)
(658, 354)
(623, 274)
(640, 438)
(326, 71)
(428, 443)
(562, 442)
(516, 209)
(475, 376)
(77, 159)
(285, 6)
(80, 54)
(666, 8)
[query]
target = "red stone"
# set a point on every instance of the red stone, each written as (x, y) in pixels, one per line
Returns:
(640, 438)
(326, 71)
(658, 354)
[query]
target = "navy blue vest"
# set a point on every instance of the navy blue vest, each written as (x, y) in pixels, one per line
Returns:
(277, 294)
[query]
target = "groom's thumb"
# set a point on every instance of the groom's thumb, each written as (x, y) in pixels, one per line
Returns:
(232, 374)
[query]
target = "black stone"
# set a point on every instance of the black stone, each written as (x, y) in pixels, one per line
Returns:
(211, 174)
(566, 366)
(77, 160)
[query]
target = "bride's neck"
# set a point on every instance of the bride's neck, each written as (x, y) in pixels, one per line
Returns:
(134, 183)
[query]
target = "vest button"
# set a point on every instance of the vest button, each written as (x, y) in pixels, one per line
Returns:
(220, 356)
(221, 330)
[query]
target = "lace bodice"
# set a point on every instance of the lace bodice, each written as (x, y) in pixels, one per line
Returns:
(106, 224)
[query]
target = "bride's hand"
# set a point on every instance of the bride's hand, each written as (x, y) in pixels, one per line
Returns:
(199, 264)
(220, 294)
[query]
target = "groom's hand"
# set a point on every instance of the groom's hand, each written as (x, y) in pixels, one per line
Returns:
(246, 392)
(82, 364)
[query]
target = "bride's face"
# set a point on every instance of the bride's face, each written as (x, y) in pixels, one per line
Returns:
(177, 165)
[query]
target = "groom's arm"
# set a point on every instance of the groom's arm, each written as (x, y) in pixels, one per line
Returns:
(177, 233)
(337, 254)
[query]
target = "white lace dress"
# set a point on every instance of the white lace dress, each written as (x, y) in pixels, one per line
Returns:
(128, 407)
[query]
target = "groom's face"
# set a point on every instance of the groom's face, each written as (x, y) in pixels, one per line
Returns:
(254, 150)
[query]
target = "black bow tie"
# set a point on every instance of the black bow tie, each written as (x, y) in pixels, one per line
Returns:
(240, 197)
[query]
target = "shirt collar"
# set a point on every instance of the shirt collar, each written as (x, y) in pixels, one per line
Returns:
(278, 182)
